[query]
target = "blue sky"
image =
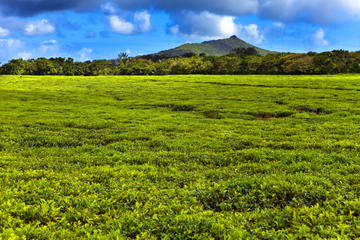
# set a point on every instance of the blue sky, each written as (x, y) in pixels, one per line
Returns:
(95, 29)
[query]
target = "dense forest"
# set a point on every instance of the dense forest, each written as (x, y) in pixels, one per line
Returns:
(240, 61)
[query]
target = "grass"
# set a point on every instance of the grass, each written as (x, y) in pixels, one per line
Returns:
(180, 157)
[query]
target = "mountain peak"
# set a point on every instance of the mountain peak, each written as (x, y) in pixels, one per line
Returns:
(213, 48)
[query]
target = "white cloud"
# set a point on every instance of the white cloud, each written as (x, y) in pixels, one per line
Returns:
(4, 32)
(319, 38)
(204, 25)
(84, 54)
(174, 30)
(279, 25)
(135, 20)
(207, 25)
(142, 20)
(227, 26)
(108, 8)
(49, 49)
(41, 27)
(11, 43)
(140, 24)
(120, 25)
(314, 11)
(49, 42)
(10, 48)
(25, 55)
(15, 48)
(251, 33)
(353, 6)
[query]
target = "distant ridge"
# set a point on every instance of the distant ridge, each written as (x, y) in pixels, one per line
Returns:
(215, 48)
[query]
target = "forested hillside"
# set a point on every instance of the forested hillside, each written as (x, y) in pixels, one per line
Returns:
(215, 48)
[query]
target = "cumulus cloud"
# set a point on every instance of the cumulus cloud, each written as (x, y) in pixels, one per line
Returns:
(14, 48)
(120, 25)
(84, 54)
(318, 11)
(11, 43)
(175, 29)
(141, 23)
(142, 20)
(251, 33)
(319, 38)
(220, 14)
(10, 47)
(206, 25)
(4, 32)
(41, 27)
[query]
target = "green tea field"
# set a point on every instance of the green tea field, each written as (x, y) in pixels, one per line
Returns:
(180, 157)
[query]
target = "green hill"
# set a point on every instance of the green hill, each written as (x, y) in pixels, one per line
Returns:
(214, 47)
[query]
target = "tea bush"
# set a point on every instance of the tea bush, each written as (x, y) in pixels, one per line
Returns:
(180, 157)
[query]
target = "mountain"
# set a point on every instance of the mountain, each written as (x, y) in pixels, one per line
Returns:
(214, 47)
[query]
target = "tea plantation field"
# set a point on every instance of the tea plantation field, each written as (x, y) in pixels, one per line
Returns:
(180, 157)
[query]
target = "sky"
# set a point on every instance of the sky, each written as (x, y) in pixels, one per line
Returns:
(98, 29)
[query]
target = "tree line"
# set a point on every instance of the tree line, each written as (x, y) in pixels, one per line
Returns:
(239, 61)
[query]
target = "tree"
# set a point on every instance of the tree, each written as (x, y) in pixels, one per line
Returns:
(298, 64)
(15, 67)
(42, 66)
(242, 52)
(123, 58)
(99, 67)
(253, 64)
(189, 54)
(271, 64)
